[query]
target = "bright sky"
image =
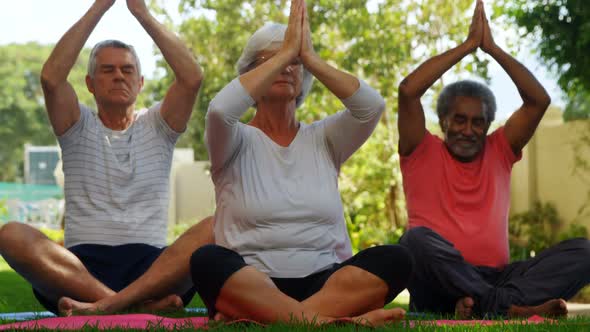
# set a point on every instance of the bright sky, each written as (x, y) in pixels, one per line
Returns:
(46, 21)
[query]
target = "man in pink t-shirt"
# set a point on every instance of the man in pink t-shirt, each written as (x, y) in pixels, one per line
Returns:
(458, 195)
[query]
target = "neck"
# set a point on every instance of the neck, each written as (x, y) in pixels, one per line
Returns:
(277, 120)
(116, 118)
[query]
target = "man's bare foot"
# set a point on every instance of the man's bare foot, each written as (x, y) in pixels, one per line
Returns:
(221, 317)
(380, 317)
(68, 307)
(551, 308)
(464, 308)
(169, 303)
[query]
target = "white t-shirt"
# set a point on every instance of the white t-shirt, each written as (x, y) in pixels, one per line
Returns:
(280, 207)
(117, 182)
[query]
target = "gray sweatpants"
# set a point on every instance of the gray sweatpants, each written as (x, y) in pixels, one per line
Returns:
(441, 276)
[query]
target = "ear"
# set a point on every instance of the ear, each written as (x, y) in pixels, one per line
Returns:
(141, 82)
(443, 124)
(89, 84)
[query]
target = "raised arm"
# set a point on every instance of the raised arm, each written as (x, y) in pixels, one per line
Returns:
(258, 80)
(341, 84)
(60, 98)
(346, 131)
(521, 126)
(178, 103)
(411, 122)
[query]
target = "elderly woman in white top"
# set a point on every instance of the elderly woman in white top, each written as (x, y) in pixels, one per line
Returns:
(282, 249)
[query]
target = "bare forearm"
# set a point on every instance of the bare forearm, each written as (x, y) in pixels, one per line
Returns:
(418, 82)
(531, 91)
(64, 55)
(180, 59)
(258, 80)
(341, 84)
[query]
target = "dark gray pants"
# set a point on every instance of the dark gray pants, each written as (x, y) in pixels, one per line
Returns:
(441, 276)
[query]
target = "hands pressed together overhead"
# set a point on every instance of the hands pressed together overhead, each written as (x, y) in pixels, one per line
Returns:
(297, 41)
(134, 6)
(480, 34)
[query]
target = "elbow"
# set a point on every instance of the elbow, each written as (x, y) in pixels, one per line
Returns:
(546, 101)
(193, 82)
(404, 90)
(49, 80)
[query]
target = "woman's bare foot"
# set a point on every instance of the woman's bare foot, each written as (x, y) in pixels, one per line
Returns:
(68, 307)
(551, 308)
(380, 317)
(464, 308)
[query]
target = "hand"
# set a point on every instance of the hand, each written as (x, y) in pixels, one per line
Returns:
(487, 41)
(476, 29)
(307, 51)
(137, 6)
(293, 35)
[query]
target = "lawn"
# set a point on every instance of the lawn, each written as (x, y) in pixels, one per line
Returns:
(16, 296)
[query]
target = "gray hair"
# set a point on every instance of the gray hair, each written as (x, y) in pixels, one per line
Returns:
(466, 88)
(261, 40)
(110, 43)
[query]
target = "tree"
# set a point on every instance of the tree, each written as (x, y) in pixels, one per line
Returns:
(22, 110)
(379, 41)
(562, 32)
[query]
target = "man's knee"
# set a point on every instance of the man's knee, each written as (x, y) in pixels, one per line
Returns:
(11, 234)
(581, 249)
(419, 239)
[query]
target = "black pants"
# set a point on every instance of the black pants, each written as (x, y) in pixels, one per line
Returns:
(441, 276)
(212, 265)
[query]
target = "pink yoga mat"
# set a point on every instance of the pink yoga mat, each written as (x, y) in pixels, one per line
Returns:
(143, 321)
(135, 321)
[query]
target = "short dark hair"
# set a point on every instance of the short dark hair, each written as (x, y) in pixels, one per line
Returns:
(466, 88)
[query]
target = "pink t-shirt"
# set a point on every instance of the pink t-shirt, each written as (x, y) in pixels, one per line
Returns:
(466, 203)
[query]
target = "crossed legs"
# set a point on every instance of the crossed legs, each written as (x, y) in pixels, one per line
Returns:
(52, 270)
(443, 281)
(236, 290)
(169, 274)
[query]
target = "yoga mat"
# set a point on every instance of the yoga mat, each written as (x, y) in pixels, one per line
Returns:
(452, 322)
(30, 315)
(144, 321)
(131, 321)
(20, 316)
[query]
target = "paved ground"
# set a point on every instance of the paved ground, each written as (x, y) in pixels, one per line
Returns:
(578, 309)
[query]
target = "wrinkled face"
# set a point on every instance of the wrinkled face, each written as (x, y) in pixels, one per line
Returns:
(465, 128)
(116, 80)
(288, 84)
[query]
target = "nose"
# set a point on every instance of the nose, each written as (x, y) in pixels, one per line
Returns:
(467, 130)
(118, 74)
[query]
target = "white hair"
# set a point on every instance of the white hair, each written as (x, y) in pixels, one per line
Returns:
(261, 40)
(114, 44)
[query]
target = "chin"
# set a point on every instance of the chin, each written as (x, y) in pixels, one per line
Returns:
(464, 155)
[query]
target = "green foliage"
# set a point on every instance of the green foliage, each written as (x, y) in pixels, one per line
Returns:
(380, 41)
(55, 235)
(563, 34)
(538, 229)
(578, 106)
(582, 168)
(22, 110)
(3, 210)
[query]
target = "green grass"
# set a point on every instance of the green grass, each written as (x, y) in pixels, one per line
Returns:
(16, 296)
